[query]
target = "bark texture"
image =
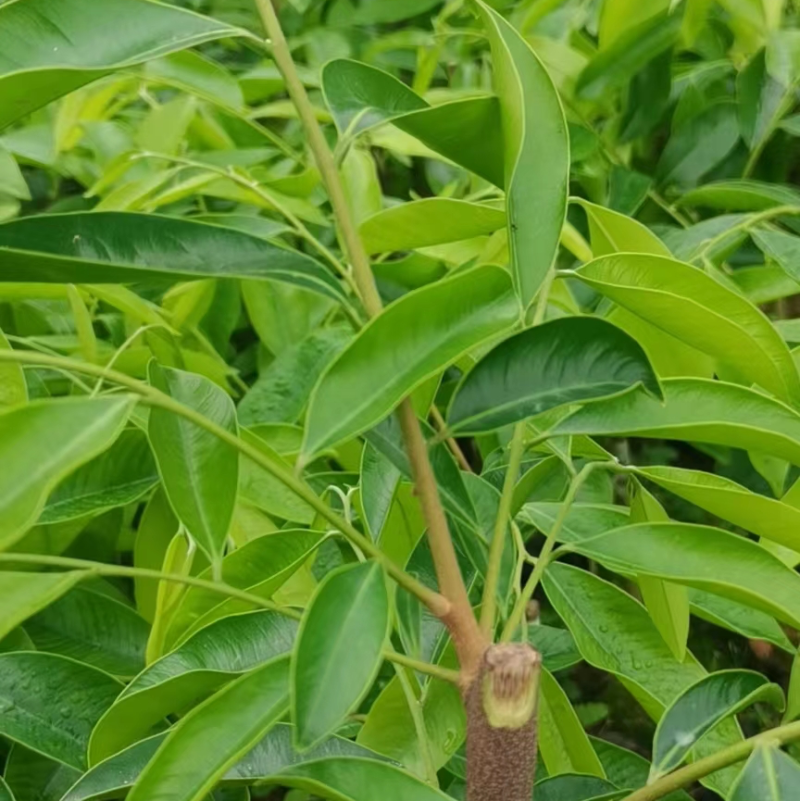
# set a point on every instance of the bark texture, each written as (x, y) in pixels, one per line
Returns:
(501, 724)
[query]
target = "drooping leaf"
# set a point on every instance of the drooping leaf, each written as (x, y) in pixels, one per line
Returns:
(697, 411)
(536, 153)
(102, 247)
(339, 646)
(413, 339)
(50, 704)
(769, 775)
(199, 471)
(207, 661)
(426, 222)
(570, 360)
(695, 308)
(42, 62)
(43, 442)
(214, 736)
(702, 706)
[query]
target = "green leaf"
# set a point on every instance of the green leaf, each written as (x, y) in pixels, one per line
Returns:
(102, 247)
(536, 150)
(13, 389)
(34, 777)
(93, 628)
(199, 471)
(575, 787)
(781, 247)
(465, 131)
(697, 309)
(5, 792)
(214, 736)
(614, 633)
(42, 62)
(45, 441)
(261, 567)
(569, 360)
(707, 558)
(769, 775)
(50, 704)
(379, 482)
(696, 411)
(767, 517)
(413, 339)
(338, 650)
(583, 521)
(612, 232)
(703, 706)
(119, 476)
(431, 221)
(24, 594)
(740, 195)
(207, 661)
(563, 743)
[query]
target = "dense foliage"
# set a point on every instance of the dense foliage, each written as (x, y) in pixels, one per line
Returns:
(478, 305)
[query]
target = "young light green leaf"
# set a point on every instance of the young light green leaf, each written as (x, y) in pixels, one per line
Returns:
(701, 707)
(569, 360)
(338, 649)
(695, 410)
(119, 476)
(769, 775)
(24, 594)
(200, 473)
(13, 389)
(208, 660)
(707, 558)
(42, 63)
(612, 232)
(563, 743)
(102, 247)
(93, 628)
(42, 443)
(536, 150)
(50, 703)
(700, 311)
(413, 339)
(213, 737)
(426, 222)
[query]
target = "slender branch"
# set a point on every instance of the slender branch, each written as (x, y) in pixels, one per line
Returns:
(518, 613)
(435, 671)
(153, 397)
(710, 764)
(101, 569)
(489, 603)
(415, 710)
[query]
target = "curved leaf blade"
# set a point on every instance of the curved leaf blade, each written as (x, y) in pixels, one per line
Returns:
(569, 360)
(769, 775)
(338, 651)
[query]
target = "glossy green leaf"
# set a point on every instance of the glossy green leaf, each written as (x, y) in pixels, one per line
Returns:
(24, 594)
(261, 567)
(614, 633)
(426, 222)
(583, 521)
(697, 411)
(338, 650)
(612, 232)
(536, 153)
(760, 514)
(199, 471)
(93, 628)
(701, 707)
(45, 441)
(208, 660)
(743, 195)
(695, 308)
(214, 736)
(563, 743)
(47, 56)
(34, 777)
(707, 558)
(119, 476)
(576, 787)
(379, 482)
(570, 360)
(50, 704)
(769, 775)
(13, 389)
(413, 339)
(116, 247)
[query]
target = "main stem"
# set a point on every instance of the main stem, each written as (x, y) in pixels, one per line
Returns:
(459, 618)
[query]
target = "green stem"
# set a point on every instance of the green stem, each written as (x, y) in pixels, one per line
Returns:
(705, 767)
(415, 710)
(518, 613)
(435, 671)
(101, 569)
(489, 602)
(154, 397)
